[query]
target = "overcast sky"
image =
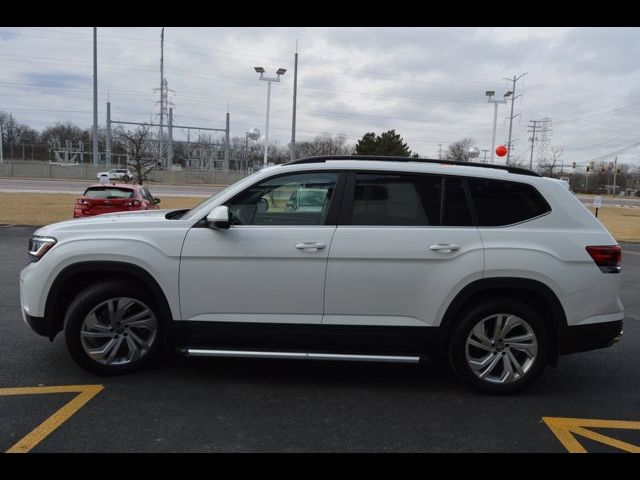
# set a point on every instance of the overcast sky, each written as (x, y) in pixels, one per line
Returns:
(426, 83)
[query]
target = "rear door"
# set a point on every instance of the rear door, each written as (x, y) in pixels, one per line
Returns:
(404, 247)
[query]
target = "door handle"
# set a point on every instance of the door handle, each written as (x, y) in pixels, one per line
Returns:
(310, 246)
(444, 247)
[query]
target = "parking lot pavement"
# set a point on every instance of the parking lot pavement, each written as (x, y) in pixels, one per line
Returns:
(228, 405)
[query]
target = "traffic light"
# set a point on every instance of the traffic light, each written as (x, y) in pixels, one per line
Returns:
(588, 167)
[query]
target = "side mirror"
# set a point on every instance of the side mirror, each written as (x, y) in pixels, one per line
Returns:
(219, 218)
(156, 200)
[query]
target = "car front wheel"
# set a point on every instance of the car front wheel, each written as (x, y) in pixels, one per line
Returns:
(113, 328)
(499, 346)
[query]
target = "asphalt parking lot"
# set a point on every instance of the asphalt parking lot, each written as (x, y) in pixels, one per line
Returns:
(236, 405)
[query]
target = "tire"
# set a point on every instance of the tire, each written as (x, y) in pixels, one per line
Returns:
(489, 362)
(99, 342)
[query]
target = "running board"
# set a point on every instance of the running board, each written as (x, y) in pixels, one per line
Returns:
(197, 352)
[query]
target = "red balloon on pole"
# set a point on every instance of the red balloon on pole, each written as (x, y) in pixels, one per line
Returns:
(501, 150)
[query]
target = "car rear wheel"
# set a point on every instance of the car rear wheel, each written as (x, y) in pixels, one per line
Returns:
(113, 328)
(499, 346)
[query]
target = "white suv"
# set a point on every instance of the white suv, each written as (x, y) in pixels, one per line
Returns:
(496, 268)
(120, 174)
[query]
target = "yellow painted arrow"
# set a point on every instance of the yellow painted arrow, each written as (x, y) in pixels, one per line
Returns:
(565, 429)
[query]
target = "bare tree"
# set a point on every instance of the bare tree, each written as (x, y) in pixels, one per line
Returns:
(139, 149)
(518, 161)
(14, 133)
(61, 132)
(547, 166)
(460, 150)
(324, 144)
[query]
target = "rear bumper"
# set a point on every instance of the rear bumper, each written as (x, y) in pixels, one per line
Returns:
(581, 338)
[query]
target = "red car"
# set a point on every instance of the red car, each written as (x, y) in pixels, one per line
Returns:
(114, 197)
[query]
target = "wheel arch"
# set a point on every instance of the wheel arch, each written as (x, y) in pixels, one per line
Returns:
(533, 293)
(77, 276)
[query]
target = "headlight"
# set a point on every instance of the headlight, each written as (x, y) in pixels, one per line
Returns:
(38, 246)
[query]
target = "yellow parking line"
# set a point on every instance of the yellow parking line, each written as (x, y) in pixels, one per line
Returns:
(85, 393)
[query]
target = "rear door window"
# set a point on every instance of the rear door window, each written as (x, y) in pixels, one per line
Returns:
(396, 199)
(500, 202)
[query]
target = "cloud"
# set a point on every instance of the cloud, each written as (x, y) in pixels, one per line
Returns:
(426, 83)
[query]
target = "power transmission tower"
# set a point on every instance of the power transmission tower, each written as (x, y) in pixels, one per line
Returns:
(514, 80)
(164, 98)
(545, 138)
(533, 124)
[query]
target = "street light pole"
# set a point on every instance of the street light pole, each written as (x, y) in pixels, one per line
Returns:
(266, 133)
(490, 94)
(279, 72)
(95, 96)
(495, 121)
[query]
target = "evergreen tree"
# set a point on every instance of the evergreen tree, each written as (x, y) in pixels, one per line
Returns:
(388, 144)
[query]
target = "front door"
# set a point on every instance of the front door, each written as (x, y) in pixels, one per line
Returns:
(260, 284)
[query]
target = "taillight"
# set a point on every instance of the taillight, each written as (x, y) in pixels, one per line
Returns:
(132, 203)
(608, 258)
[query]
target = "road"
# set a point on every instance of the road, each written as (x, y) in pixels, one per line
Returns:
(76, 187)
(242, 405)
(624, 201)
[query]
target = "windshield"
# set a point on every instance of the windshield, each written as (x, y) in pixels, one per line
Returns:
(108, 192)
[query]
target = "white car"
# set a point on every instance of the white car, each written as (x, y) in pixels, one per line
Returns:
(122, 174)
(495, 268)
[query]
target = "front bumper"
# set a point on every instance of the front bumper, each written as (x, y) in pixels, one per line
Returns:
(581, 338)
(39, 325)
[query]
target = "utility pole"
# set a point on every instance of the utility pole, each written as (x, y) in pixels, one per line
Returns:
(440, 152)
(533, 139)
(615, 174)
(108, 146)
(162, 106)
(170, 146)
(95, 96)
(511, 117)
(227, 146)
(1, 145)
(295, 92)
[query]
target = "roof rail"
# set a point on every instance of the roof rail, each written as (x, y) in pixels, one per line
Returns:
(380, 158)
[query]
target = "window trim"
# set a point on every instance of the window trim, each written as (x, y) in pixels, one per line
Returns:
(347, 203)
(475, 214)
(332, 215)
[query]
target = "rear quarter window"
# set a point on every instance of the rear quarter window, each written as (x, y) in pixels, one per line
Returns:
(500, 202)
